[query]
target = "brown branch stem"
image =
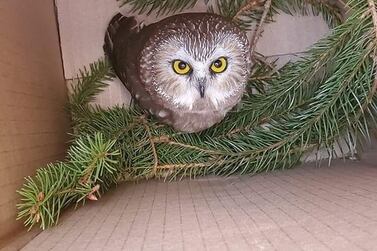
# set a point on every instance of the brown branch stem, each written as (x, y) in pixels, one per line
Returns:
(90, 168)
(247, 7)
(372, 7)
(154, 152)
(258, 30)
(167, 140)
(191, 165)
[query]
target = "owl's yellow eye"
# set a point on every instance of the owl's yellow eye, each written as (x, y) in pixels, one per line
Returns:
(180, 67)
(219, 65)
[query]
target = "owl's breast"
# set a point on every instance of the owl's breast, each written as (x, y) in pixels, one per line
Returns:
(200, 117)
(197, 121)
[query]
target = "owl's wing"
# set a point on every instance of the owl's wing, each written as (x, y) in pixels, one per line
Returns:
(124, 42)
(123, 33)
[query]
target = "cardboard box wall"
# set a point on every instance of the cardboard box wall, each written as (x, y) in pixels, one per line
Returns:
(33, 123)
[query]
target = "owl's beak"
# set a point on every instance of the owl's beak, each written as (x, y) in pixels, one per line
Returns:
(201, 86)
(202, 89)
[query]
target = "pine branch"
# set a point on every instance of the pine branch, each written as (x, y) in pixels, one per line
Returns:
(90, 82)
(92, 164)
(261, 74)
(247, 13)
(242, 7)
(333, 11)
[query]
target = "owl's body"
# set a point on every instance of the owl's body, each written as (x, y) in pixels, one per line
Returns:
(187, 70)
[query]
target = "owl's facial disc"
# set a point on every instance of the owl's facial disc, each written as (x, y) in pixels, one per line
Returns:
(195, 76)
(217, 66)
(192, 70)
(180, 67)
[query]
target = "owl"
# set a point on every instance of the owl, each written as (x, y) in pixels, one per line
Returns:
(187, 70)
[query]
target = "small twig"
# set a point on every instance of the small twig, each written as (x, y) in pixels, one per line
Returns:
(161, 139)
(68, 190)
(264, 61)
(90, 168)
(191, 165)
(124, 130)
(372, 7)
(342, 7)
(155, 156)
(248, 6)
(258, 31)
(262, 77)
(337, 5)
(167, 140)
(220, 160)
(194, 147)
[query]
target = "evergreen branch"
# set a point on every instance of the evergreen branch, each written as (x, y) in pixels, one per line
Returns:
(248, 13)
(372, 7)
(152, 142)
(373, 91)
(246, 7)
(333, 11)
(91, 164)
(90, 82)
(242, 12)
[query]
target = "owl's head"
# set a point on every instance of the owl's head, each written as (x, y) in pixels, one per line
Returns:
(197, 60)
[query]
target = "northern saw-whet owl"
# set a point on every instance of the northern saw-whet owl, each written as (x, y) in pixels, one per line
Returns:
(187, 70)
